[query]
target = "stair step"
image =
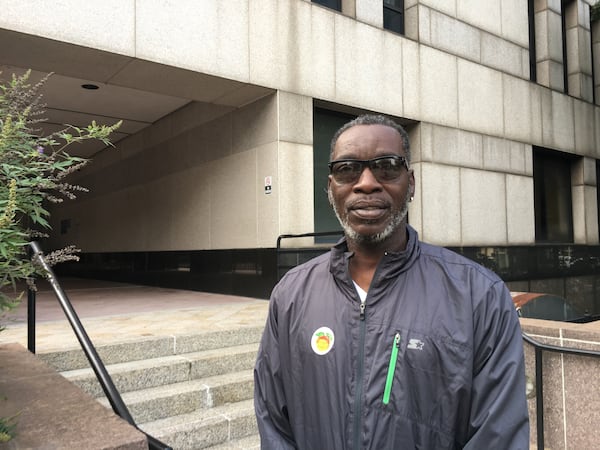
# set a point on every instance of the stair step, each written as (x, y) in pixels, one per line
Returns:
(181, 398)
(205, 428)
(155, 347)
(247, 443)
(143, 374)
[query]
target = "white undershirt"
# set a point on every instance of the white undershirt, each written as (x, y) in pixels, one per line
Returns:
(361, 293)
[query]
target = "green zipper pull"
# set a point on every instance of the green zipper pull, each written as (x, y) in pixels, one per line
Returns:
(391, 369)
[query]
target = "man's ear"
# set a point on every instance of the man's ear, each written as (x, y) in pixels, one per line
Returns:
(328, 191)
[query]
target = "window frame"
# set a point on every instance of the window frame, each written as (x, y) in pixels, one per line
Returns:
(398, 10)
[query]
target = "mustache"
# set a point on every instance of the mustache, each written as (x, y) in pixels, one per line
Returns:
(362, 203)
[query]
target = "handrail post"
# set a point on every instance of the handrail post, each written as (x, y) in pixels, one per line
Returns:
(31, 309)
(539, 394)
(31, 319)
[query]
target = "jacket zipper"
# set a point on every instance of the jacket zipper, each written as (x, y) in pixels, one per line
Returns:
(359, 375)
(391, 369)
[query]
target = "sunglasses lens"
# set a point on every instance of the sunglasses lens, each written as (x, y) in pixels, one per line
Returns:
(384, 169)
(346, 171)
(387, 169)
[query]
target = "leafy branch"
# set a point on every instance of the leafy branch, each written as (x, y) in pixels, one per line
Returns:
(34, 169)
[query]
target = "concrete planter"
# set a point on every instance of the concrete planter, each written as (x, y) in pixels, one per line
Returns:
(54, 413)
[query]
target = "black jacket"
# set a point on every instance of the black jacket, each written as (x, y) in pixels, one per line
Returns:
(437, 331)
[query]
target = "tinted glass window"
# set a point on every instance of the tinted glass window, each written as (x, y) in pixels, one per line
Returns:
(333, 4)
(393, 15)
(552, 201)
(325, 124)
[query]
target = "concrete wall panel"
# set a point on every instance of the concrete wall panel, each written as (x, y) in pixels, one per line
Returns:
(411, 79)
(440, 192)
(208, 37)
(502, 55)
(395, 70)
(517, 108)
(296, 180)
(85, 26)
(480, 98)
(443, 6)
(563, 131)
(483, 208)
(370, 11)
(455, 36)
(584, 135)
(515, 21)
(322, 69)
(234, 201)
(484, 14)
(359, 61)
(438, 89)
(520, 215)
(267, 205)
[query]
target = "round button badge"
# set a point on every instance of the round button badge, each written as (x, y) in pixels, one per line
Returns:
(322, 340)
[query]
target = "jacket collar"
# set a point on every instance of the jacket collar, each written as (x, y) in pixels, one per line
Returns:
(390, 266)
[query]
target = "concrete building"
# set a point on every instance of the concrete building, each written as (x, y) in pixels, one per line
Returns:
(228, 109)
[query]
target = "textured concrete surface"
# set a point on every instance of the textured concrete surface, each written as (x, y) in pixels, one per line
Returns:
(53, 413)
(117, 312)
(168, 322)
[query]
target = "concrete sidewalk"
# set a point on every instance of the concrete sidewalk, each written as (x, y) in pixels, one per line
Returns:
(117, 312)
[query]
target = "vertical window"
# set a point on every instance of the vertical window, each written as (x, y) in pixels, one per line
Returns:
(333, 4)
(564, 5)
(532, 52)
(325, 124)
(598, 194)
(552, 197)
(595, 41)
(393, 15)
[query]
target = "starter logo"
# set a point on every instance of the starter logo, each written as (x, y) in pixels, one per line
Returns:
(322, 341)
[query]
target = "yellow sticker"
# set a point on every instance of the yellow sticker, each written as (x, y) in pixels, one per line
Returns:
(322, 341)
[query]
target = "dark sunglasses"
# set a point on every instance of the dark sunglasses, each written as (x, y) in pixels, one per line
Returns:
(384, 168)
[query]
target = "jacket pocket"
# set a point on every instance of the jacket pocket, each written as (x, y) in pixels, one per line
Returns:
(391, 369)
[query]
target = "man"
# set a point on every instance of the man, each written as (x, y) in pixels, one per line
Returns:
(387, 342)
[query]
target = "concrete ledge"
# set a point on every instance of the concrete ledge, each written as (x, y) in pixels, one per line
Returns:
(571, 384)
(54, 413)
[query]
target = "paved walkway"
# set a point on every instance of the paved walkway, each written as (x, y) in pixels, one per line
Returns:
(117, 312)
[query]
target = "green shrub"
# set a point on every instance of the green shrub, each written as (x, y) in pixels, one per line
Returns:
(33, 172)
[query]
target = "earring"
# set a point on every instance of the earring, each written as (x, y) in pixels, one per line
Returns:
(411, 198)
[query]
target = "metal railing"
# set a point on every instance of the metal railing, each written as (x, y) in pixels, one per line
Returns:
(297, 252)
(111, 392)
(539, 349)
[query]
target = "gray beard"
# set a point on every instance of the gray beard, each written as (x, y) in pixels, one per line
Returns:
(398, 217)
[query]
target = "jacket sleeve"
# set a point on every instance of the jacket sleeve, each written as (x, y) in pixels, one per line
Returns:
(499, 415)
(269, 394)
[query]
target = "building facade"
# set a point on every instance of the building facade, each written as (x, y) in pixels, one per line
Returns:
(500, 99)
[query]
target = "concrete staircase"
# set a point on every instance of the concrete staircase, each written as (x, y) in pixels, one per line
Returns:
(191, 391)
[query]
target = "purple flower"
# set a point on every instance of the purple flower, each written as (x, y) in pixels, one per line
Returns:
(40, 149)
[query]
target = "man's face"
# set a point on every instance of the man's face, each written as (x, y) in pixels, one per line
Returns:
(371, 211)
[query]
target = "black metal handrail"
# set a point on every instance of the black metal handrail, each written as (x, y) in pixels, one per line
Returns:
(539, 377)
(280, 250)
(109, 388)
